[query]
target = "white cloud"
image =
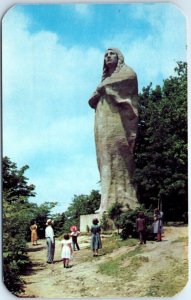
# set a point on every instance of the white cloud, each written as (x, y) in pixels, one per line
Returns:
(46, 117)
(154, 53)
(82, 9)
(66, 136)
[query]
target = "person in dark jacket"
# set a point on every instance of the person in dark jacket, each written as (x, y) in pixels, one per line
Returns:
(141, 227)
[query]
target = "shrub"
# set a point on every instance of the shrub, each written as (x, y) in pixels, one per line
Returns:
(106, 222)
(128, 222)
(128, 230)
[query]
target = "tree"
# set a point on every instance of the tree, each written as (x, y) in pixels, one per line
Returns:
(14, 182)
(40, 213)
(16, 215)
(82, 205)
(161, 146)
(59, 221)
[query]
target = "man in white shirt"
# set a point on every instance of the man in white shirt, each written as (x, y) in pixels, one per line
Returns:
(50, 240)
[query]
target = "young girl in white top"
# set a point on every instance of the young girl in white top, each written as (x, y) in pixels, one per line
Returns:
(66, 250)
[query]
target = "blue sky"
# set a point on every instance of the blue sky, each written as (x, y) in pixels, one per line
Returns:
(52, 62)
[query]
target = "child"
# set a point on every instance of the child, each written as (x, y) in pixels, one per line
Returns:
(66, 250)
(74, 234)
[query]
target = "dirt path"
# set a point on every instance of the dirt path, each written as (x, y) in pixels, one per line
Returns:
(84, 280)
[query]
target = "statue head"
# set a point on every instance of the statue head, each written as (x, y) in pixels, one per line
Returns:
(119, 62)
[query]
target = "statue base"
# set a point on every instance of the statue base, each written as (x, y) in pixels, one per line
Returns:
(86, 221)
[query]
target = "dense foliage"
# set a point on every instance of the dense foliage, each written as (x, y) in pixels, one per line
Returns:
(40, 214)
(18, 212)
(15, 184)
(126, 220)
(161, 146)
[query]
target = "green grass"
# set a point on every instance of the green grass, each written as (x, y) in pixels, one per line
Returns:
(125, 265)
(131, 263)
(114, 242)
(169, 282)
(110, 267)
(181, 239)
(110, 244)
(166, 283)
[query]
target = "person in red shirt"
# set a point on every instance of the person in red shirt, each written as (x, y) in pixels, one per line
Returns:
(74, 235)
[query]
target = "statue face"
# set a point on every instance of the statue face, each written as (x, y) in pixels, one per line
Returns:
(111, 58)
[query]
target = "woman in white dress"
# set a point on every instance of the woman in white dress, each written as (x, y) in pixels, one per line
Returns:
(158, 224)
(66, 250)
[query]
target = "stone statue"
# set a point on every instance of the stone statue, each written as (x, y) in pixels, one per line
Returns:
(115, 102)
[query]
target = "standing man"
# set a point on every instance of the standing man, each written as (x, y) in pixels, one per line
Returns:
(50, 241)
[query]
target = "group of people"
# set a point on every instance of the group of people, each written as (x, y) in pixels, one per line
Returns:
(68, 244)
(70, 241)
(157, 226)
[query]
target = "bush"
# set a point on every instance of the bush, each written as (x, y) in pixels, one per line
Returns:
(106, 222)
(128, 222)
(128, 230)
(15, 258)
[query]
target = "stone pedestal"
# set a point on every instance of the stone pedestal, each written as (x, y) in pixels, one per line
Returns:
(86, 221)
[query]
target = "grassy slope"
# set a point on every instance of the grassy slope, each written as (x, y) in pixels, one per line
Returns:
(165, 281)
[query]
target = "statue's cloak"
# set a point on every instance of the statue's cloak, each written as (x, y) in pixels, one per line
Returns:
(115, 102)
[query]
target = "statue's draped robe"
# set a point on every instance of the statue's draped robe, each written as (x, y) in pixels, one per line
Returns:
(115, 132)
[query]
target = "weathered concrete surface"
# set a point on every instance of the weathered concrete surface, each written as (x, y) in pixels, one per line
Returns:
(115, 102)
(86, 221)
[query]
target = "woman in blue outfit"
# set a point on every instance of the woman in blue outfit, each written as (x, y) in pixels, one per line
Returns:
(95, 237)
